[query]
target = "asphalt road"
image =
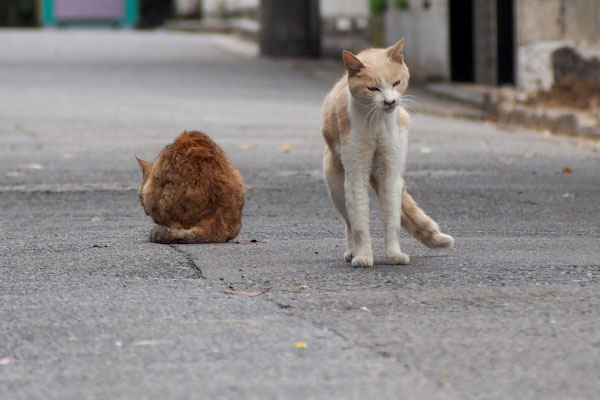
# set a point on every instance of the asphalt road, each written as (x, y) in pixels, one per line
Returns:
(90, 309)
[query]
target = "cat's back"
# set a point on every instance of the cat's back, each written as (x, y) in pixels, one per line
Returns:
(191, 154)
(192, 161)
(335, 122)
(190, 146)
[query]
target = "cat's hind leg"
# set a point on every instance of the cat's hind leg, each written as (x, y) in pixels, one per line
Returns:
(421, 226)
(204, 232)
(334, 176)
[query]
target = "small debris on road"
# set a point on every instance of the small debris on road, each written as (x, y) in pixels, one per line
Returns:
(5, 360)
(245, 292)
(151, 342)
(34, 166)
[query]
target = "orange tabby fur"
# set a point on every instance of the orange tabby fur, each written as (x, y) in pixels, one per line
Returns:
(193, 192)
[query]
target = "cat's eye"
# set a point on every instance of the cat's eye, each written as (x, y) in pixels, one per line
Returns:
(373, 88)
(397, 83)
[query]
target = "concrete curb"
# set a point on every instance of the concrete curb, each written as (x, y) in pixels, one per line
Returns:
(551, 119)
(504, 106)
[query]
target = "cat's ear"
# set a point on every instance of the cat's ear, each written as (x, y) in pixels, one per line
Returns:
(353, 64)
(144, 165)
(396, 52)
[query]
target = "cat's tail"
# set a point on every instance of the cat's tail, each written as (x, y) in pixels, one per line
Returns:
(204, 232)
(421, 226)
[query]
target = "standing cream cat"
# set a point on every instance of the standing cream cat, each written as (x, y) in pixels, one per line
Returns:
(365, 128)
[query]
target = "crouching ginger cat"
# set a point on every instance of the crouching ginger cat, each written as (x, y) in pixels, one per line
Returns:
(365, 128)
(193, 192)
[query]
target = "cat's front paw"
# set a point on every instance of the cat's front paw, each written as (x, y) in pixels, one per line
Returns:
(348, 255)
(398, 258)
(362, 262)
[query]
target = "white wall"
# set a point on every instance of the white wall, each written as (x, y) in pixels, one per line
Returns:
(214, 7)
(329, 8)
(344, 8)
(426, 36)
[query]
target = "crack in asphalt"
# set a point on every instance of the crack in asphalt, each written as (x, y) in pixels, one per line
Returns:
(190, 260)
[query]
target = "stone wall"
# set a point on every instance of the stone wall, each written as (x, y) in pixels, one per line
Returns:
(543, 27)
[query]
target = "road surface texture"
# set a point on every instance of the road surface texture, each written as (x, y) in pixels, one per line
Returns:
(90, 309)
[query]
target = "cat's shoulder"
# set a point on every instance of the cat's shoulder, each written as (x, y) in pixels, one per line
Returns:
(338, 93)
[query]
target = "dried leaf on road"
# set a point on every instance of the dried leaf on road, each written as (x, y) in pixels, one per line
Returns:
(567, 170)
(245, 292)
(508, 161)
(301, 345)
(285, 147)
(34, 166)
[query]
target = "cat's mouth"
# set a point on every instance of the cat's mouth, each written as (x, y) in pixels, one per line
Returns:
(389, 109)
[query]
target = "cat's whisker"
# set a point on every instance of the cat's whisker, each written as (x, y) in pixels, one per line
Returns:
(405, 99)
(410, 104)
(370, 114)
(409, 109)
(367, 106)
(409, 100)
(373, 114)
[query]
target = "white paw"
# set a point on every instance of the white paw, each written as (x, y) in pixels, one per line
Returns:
(348, 255)
(362, 262)
(398, 258)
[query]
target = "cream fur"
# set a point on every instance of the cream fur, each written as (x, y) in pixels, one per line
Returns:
(366, 131)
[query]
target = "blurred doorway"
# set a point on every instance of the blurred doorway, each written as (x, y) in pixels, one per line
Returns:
(461, 41)
(482, 41)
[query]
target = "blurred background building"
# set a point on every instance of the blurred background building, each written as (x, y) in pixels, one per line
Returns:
(530, 44)
(520, 42)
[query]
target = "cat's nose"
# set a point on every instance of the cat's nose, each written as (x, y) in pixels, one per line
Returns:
(389, 103)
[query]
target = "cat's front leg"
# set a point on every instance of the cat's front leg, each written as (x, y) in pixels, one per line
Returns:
(389, 184)
(357, 166)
